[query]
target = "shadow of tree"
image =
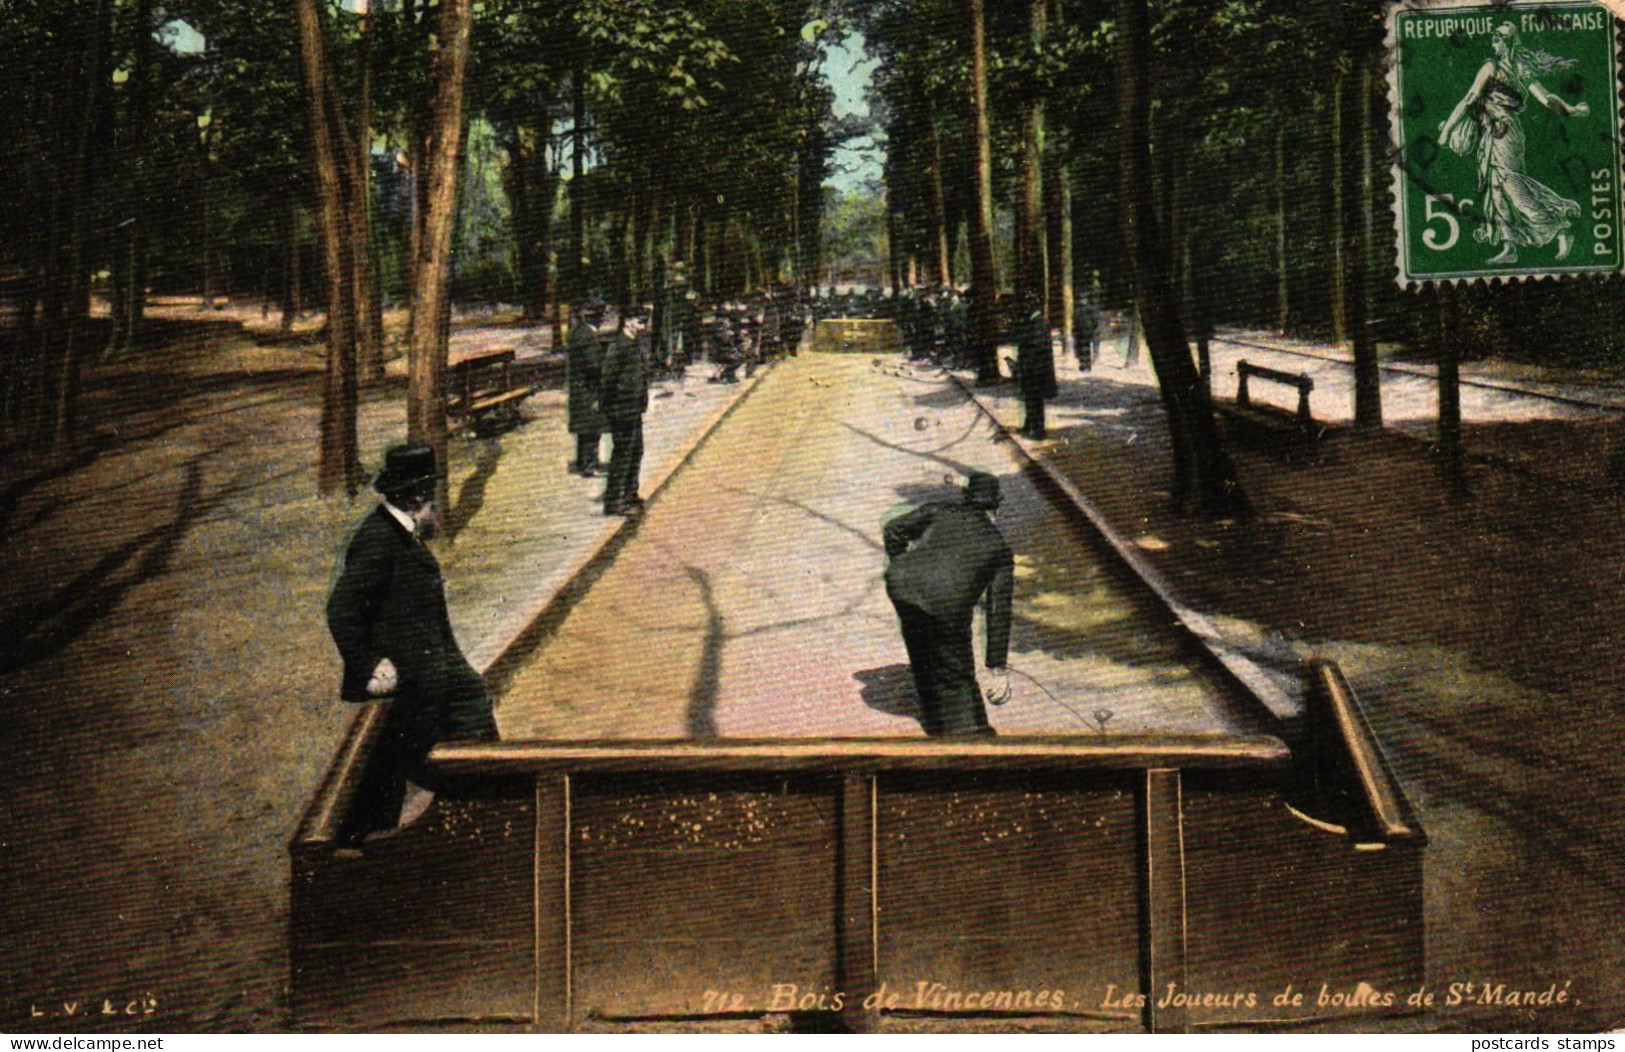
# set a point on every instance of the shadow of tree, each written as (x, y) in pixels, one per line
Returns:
(41, 629)
(471, 495)
(702, 695)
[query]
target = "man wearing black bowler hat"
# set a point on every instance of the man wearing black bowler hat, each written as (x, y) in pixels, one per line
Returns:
(623, 398)
(945, 558)
(387, 614)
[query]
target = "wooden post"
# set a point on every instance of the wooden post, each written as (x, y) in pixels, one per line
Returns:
(554, 1010)
(1164, 863)
(855, 964)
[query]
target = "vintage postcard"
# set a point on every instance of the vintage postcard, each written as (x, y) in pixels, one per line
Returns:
(767, 516)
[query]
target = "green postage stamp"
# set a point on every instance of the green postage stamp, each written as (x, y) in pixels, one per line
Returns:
(1506, 129)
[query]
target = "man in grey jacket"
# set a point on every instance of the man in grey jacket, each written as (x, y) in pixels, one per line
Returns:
(946, 558)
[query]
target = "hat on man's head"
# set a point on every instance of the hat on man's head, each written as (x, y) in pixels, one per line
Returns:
(405, 466)
(982, 490)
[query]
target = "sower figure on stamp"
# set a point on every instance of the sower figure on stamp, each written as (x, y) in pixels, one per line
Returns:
(387, 614)
(623, 397)
(946, 558)
(583, 361)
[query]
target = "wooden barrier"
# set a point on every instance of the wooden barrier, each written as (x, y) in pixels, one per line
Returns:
(621, 881)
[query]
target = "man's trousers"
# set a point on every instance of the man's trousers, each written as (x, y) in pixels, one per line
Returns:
(625, 461)
(944, 663)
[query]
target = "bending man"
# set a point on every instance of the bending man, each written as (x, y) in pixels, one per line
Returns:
(945, 558)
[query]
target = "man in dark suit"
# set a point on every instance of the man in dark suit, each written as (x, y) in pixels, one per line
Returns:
(1035, 363)
(387, 614)
(583, 361)
(945, 558)
(623, 396)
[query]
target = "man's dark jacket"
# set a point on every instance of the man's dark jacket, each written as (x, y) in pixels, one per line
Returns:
(944, 559)
(623, 391)
(1035, 359)
(390, 602)
(583, 362)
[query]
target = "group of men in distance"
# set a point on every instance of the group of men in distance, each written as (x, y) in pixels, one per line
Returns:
(611, 356)
(935, 325)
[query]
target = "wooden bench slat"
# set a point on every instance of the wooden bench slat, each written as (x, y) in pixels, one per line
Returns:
(481, 360)
(493, 401)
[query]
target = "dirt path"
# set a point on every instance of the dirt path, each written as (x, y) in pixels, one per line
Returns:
(751, 604)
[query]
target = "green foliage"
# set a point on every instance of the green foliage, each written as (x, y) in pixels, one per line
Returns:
(855, 232)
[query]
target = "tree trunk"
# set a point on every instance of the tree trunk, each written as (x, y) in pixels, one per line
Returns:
(810, 206)
(206, 243)
(939, 208)
(1030, 240)
(130, 270)
(684, 249)
(1337, 148)
(290, 266)
(1367, 370)
(368, 310)
(339, 463)
(1283, 294)
(1204, 477)
(413, 19)
(530, 187)
(578, 168)
(700, 257)
(1058, 234)
(984, 288)
(76, 274)
(1058, 230)
(431, 278)
(1448, 434)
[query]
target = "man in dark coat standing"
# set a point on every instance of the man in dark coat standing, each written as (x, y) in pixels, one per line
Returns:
(945, 558)
(387, 614)
(1035, 363)
(583, 362)
(623, 396)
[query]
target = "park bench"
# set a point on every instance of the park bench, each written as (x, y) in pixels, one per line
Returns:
(483, 390)
(1267, 425)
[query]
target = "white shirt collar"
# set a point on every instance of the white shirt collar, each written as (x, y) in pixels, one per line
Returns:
(402, 517)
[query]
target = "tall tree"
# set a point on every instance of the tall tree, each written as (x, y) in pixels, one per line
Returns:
(128, 271)
(73, 277)
(1205, 480)
(431, 276)
(339, 463)
(984, 267)
(1358, 236)
(1030, 237)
